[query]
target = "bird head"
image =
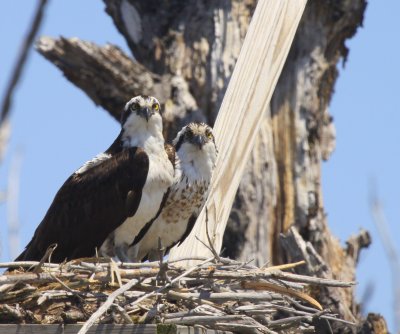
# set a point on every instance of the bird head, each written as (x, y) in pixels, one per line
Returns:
(141, 111)
(196, 142)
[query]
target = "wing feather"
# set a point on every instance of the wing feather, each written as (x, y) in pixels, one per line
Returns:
(89, 206)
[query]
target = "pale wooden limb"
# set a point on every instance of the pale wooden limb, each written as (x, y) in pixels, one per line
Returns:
(26, 264)
(220, 297)
(257, 70)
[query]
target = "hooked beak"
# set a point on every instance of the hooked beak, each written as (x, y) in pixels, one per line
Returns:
(146, 113)
(199, 140)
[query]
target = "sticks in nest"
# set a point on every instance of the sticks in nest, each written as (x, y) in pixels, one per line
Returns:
(217, 293)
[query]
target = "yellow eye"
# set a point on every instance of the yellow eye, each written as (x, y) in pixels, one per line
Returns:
(156, 107)
(209, 135)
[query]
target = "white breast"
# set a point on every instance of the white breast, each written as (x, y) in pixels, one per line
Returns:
(159, 179)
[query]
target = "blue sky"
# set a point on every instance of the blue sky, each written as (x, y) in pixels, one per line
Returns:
(57, 127)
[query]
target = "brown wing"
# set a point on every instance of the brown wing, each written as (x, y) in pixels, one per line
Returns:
(89, 206)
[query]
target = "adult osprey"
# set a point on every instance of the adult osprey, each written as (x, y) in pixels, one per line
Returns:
(196, 154)
(119, 190)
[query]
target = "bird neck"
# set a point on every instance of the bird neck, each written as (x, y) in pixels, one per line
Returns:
(196, 164)
(147, 135)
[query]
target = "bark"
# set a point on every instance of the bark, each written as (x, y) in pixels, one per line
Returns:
(185, 52)
(108, 76)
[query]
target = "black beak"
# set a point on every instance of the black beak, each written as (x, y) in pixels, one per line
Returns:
(146, 113)
(199, 140)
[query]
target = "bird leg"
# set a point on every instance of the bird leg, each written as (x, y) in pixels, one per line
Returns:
(132, 253)
(162, 276)
(122, 252)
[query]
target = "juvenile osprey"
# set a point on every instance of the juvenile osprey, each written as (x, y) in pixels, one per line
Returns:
(196, 154)
(119, 190)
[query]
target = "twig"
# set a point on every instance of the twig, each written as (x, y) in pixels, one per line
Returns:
(21, 60)
(211, 245)
(46, 256)
(110, 300)
(103, 308)
(217, 289)
(222, 296)
(187, 272)
(293, 321)
(281, 289)
(122, 313)
(284, 266)
(313, 313)
(204, 319)
(75, 293)
(11, 311)
(199, 258)
(115, 270)
(281, 275)
(26, 264)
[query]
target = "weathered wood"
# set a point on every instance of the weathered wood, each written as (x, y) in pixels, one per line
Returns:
(297, 248)
(197, 42)
(95, 316)
(105, 74)
(212, 294)
(105, 328)
(246, 100)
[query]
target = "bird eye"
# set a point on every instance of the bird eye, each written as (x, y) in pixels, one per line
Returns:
(156, 106)
(135, 106)
(209, 135)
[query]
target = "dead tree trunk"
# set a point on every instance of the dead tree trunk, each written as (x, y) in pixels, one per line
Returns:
(185, 52)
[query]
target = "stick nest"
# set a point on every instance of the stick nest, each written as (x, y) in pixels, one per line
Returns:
(216, 293)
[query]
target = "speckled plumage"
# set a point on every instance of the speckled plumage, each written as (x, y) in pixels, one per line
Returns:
(195, 161)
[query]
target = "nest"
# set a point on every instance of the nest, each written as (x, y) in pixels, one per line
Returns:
(217, 293)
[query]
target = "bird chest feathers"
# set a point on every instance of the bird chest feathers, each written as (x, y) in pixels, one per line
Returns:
(183, 200)
(159, 179)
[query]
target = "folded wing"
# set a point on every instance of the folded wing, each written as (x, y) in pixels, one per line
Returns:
(89, 206)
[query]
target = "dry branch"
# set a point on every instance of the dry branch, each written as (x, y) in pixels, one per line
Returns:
(106, 74)
(212, 294)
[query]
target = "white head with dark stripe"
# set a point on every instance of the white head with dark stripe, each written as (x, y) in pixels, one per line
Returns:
(196, 149)
(141, 116)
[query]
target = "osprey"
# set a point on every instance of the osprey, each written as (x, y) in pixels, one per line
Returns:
(119, 190)
(196, 154)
